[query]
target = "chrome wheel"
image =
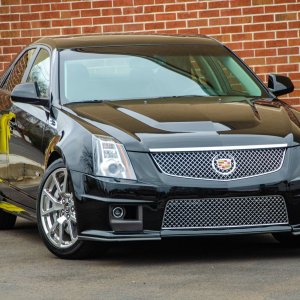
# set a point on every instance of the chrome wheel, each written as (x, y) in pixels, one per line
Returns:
(57, 211)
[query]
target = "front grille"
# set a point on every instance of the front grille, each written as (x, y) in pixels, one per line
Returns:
(208, 165)
(225, 212)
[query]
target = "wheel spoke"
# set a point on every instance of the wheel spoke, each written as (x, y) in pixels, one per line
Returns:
(71, 231)
(56, 183)
(51, 210)
(51, 197)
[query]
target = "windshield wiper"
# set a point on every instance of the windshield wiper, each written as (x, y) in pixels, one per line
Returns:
(88, 101)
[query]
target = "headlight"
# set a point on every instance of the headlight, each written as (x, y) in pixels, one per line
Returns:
(110, 159)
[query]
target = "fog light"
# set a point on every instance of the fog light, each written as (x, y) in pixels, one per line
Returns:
(118, 212)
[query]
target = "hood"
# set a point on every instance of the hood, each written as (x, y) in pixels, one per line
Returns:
(177, 123)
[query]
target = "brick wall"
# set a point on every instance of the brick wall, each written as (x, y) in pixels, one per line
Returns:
(265, 33)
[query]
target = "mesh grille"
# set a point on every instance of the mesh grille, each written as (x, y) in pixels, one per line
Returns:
(225, 212)
(203, 164)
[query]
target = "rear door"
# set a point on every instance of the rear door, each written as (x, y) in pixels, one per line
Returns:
(26, 157)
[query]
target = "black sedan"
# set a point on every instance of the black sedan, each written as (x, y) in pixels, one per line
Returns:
(127, 138)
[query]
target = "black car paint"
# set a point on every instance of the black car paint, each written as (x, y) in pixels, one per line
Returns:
(65, 131)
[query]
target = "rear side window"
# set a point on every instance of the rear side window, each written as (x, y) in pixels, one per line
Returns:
(40, 73)
(17, 73)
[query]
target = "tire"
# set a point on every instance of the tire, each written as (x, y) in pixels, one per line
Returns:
(56, 215)
(287, 239)
(7, 220)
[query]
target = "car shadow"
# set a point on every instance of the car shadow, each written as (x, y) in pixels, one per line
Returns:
(200, 249)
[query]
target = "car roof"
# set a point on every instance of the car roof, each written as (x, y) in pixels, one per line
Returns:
(68, 42)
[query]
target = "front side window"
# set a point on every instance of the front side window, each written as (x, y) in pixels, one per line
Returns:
(17, 73)
(40, 73)
(150, 72)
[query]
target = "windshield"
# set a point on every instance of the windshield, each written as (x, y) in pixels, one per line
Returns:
(150, 72)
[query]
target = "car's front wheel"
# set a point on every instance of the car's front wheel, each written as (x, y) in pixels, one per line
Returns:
(56, 215)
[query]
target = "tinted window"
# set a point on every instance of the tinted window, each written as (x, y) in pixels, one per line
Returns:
(40, 72)
(16, 75)
(154, 72)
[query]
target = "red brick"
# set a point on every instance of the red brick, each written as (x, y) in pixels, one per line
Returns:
(196, 6)
(286, 17)
(102, 20)
(133, 27)
(188, 31)
(123, 19)
(245, 53)
(70, 14)
(236, 3)
(49, 15)
(91, 30)
(82, 22)
(143, 2)
(175, 7)
(263, 18)
(294, 42)
(276, 43)
(111, 11)
(102, 3)
(232, 29)
(210, 30)
(197, 23)
(81, 5)
(132, 10)
(209, 13)
(187, 15)
(265, 52)
(40, 7)
(40, 24)
(294, 25)
(286, 34)
(218, 4)
(264, 35)
(165, 17)
(219, 21)
(71, 30)
(288, 68)
(153, 9)
(276, 26)
(262, 2)
(61, 23)
(241, 20)
(155, 25)
(254, 45)
(18, 9)
(254, 27)
(117, 3)
(288, 51)
(144, 18)
(60, 6)
(21, 25)
(242, 36)
(231, 12)
(253, 10)
(255, 61)
(175, 24)
(113, 28)
(275, 8)
(276, 60)
(90, 13)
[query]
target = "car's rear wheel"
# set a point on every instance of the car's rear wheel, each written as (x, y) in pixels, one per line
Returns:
(7, 221)
(56, 215)
(287, 239)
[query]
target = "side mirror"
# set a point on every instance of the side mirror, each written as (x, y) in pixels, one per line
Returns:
(280, 85)
(28, 93)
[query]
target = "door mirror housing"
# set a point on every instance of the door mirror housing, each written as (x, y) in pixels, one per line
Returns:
(280, 85)
(28, 93)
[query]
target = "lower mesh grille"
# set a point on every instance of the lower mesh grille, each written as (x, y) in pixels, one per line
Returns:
(225, 212)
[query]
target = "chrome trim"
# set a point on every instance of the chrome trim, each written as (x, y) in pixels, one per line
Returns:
(230, 226)
(195, 149)
(271, 146)
(223, 227)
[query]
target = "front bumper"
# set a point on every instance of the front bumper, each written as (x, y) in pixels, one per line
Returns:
(95, 198)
